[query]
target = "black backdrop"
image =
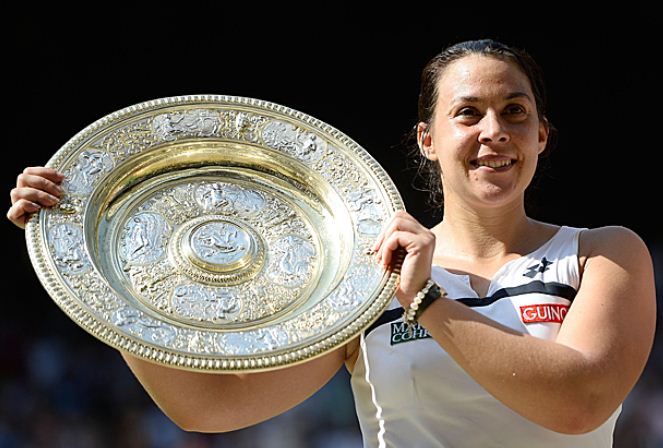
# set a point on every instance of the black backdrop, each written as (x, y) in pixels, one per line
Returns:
(358, 71)
(359, 74)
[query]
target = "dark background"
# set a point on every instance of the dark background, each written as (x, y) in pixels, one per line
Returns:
(356, 70)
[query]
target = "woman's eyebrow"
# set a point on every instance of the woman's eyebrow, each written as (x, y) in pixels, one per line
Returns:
(513, 95)
(465, 99)
(476, 99)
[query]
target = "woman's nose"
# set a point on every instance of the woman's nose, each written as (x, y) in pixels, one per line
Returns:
(493, 130)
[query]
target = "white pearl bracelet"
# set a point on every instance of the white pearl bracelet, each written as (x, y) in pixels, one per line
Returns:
(410, 315)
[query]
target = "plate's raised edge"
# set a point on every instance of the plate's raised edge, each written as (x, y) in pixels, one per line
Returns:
(158, 355)
(61, 296)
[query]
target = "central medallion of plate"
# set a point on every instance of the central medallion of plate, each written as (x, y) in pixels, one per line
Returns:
(217, 253)
(220, 246)
(218, 249)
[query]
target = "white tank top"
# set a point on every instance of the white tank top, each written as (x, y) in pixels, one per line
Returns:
(410, 393)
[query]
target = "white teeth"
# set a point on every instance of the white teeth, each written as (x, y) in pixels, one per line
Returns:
(493, 164)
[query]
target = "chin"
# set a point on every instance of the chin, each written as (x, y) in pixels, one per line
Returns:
(495, 199)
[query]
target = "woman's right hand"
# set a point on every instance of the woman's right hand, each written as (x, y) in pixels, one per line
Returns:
(36, 187)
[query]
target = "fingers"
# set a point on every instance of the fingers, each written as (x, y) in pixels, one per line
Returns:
(49, 173)
(25, 202)
(401, 221)
(49, 184)
(36, 187)
(413, 243)
(400, 218)
(21, 211)
(404, 235)
(34, 195)
(392, 243)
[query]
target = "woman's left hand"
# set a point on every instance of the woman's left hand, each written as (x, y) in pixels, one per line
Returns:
(419, 244)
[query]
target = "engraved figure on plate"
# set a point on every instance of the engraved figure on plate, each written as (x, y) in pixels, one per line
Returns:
(134, 322)
(293, 261)
(205, 304)
(67, 242)
(368, 209)
(353, 290)
(245, 126)
(287, 137)
(220, 242)
(91, 164)
(310, 146)
(211, 196)
(199, 122)
(144, 238)
(175, 204)
(245, 200)
(128, 140)
(223, 196)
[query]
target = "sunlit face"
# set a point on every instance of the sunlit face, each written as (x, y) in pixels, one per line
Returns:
(485, 132)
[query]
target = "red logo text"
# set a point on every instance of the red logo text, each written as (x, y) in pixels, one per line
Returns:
(549, 312)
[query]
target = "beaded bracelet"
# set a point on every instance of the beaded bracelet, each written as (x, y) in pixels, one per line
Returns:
(428, 294)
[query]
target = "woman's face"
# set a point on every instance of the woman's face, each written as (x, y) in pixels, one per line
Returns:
(485, 133)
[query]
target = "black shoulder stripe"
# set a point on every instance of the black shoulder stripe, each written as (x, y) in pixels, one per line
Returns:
(535, 287)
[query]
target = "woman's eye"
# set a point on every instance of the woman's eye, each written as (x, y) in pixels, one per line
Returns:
(467, 112)
(514, 109)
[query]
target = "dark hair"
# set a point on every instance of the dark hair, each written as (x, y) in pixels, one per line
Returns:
(428, 170)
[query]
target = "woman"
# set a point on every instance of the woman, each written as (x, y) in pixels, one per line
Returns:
(520, 333)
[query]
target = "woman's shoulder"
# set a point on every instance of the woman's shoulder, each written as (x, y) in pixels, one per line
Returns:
(618, 243)
(619, 237)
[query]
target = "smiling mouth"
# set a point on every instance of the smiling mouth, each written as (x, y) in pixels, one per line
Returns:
(495, 164)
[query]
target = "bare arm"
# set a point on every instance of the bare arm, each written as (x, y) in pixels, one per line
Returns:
(208, 402)
(571, 385)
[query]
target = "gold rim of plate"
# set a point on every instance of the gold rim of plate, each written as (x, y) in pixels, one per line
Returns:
(216, 233)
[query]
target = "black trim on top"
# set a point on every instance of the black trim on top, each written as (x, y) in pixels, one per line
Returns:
(385, 318)
(536, 287)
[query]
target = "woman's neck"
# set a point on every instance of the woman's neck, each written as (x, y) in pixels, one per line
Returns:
(488, 233)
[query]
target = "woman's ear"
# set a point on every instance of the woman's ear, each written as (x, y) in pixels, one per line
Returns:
(425, 141)
(544, 131)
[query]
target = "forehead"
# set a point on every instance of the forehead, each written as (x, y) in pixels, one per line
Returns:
(481, 76)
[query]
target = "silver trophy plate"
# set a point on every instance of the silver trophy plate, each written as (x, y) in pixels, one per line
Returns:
(216, 233)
